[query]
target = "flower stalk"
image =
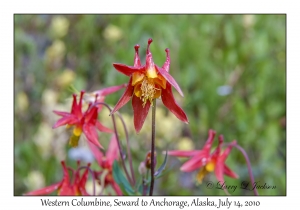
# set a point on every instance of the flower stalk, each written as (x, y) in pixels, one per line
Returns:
(119, 143)
(249, 167)
(128, 148)
(153, 148)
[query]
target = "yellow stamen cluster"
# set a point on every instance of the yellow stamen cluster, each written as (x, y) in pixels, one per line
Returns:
(148, 91)
(148, 86)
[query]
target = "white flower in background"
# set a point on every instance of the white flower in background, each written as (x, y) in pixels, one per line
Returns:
(224, 90)
(81, 153)
(43, 140)
(34, 180)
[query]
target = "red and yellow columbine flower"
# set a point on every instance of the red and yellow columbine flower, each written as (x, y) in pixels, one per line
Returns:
(85, 122)
(106, 161)
(206, 161)
(65, 186)
(148, 82)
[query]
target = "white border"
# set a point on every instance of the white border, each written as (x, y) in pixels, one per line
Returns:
(54, 6)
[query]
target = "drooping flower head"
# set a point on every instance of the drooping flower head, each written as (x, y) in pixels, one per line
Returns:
(148, 82)
(66, 186)
(207, 161)
(87, 121)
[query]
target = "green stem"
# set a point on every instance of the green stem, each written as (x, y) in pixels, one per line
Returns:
(153, 147)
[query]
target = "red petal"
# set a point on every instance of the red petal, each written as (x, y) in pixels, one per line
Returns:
(169, 101)
(66, 173)
(169, 78)
(109, 90)
(139, 112)
(125, 97)
(195, 162)
(210, 139)
(137, 61)
(96, 152)
(80, 103)
(83, 179)
(217, 151)
(229, 172)
(220, 165)
(63, 114)
(66, 189)
(127, 70)
(45, 190)
(180, 153)
(74, 104)
(219, 171)
(103, 128)
(91, 115)
(76, 108)
(166, 65)
(91, 134)
(227, 151)
(65, 120)
(112, 153)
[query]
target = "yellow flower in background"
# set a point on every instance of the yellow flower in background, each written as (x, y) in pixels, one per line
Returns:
(59, 26)
(65, 78)
(22, 102)
(112, 33)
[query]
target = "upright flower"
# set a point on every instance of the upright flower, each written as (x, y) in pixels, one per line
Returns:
(106, 161)
(85, 122)
(148, 82)
(65, 186)
(206, 161)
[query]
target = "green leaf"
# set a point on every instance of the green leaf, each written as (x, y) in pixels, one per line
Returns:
(163, 173)
(121, 180)
(139, 186)
(147, 181)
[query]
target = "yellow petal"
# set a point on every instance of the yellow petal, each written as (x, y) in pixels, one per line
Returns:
(201, 174)
(77, 131)
(74, 140)
(137, 90)
(157, 93)
(136, 77)
(161, 81)
(151, 73)
(210, 167)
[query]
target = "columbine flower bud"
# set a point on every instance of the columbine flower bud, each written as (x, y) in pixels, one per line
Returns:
(148, 160)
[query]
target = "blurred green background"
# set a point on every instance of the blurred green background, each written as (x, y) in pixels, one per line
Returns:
(231, 68)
